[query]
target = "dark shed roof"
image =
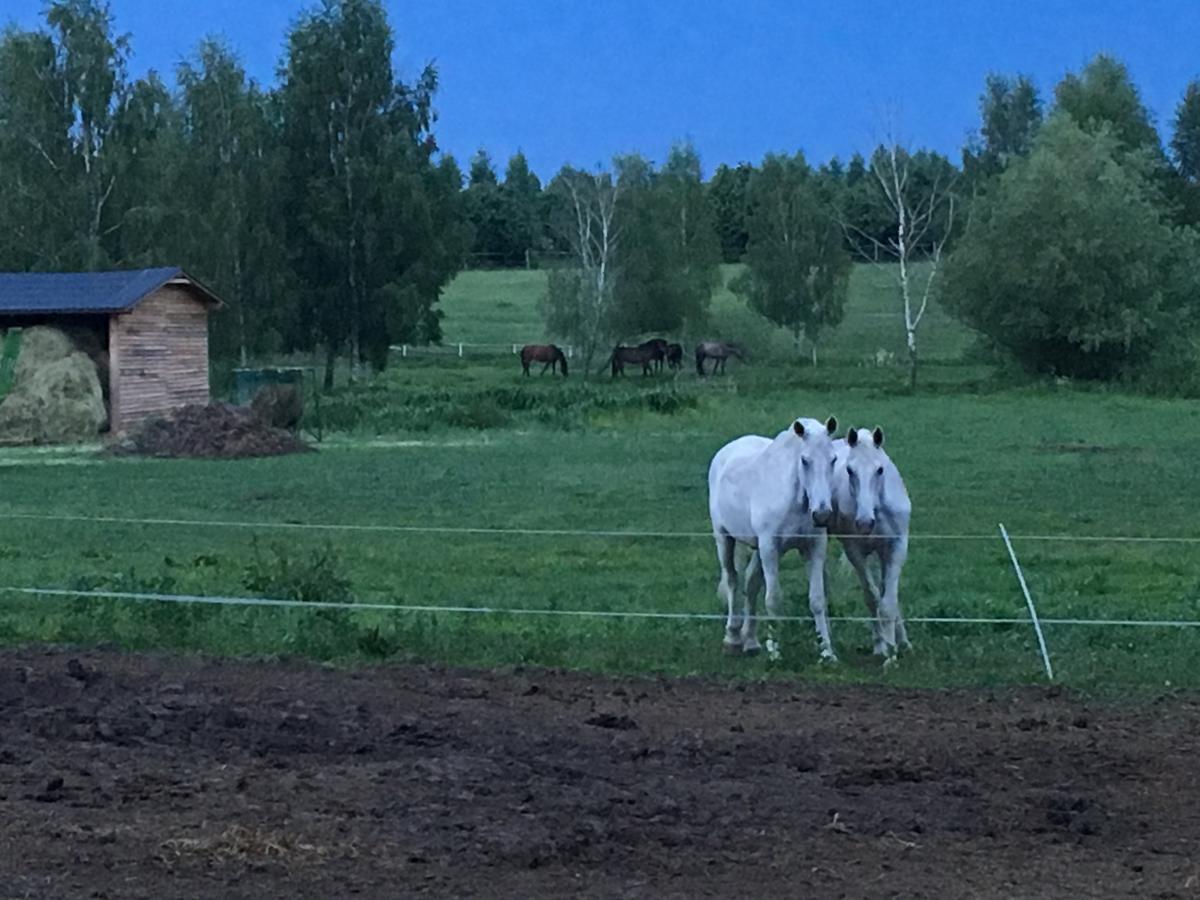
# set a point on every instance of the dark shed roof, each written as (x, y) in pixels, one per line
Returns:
(25, 293)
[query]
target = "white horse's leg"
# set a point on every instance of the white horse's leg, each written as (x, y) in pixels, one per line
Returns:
(892, 561)
(815, 551)
(859, 559)
(727, 591)
(768, 554)
(754, 586)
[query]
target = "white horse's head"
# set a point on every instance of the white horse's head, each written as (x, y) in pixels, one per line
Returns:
(817, 459)
(866, 470)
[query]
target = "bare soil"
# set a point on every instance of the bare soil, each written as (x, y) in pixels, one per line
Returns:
(134, 776)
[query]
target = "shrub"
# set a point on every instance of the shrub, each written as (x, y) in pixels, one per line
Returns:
(1070, 263)
(286, 575)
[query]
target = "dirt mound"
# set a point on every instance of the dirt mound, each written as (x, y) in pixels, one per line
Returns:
(217, 431)
(57, 395)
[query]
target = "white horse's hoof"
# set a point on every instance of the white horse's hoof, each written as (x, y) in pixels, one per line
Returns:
(731, 648)
(751, 648)
(829, 658)
(891, 662)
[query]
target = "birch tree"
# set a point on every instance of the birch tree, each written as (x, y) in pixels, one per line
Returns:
(579, 298)
(61, 93)
(918, 193)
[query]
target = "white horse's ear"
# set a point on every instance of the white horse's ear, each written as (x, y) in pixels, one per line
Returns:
(798, 428)
(831, 425)
(877, 437)
(852, 437)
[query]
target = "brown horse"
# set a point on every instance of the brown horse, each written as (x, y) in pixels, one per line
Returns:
(658, 348)
(633, 355)
(675, 356)
(549, 354)
(718, 352)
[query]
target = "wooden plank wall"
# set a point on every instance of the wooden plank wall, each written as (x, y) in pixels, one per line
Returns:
(158, 356)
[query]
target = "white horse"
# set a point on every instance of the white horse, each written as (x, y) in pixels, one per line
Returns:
(871, 516)
(773, 496)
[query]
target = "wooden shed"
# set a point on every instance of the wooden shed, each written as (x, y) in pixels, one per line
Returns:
(152, 324)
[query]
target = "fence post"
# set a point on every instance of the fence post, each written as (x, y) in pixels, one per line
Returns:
(1037, 625)
(460, 351)
(404, 351)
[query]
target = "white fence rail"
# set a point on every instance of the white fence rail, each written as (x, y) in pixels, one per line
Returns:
(462, 349)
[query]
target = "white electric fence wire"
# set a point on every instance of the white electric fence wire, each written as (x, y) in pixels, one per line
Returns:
(545, 532)
(526, 611)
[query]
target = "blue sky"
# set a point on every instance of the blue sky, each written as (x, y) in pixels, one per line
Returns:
(578, 82)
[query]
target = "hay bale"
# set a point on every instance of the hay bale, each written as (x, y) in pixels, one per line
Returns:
(60, 401)
(279, 405)
(40, 346)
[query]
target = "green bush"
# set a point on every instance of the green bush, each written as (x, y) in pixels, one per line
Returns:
(1070, 263)
(283, 574)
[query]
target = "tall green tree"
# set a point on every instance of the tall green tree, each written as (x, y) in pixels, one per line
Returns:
(728, 195)
(61, 96)
(1010, 112)
(797, 271)
(1185, 141)
(488, 211)
(147, 212)
(230, 176)
(1071, 263)
(37, 182)
(669, 258)
(357, 145)
(523, 197)
(1104, 94)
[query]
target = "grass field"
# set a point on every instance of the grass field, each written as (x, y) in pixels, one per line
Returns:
(470, 443)
(502, 308)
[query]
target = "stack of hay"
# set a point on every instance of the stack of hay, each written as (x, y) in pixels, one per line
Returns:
(57, 394)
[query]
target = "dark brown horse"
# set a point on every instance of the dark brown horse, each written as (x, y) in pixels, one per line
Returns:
(658, 348)
(549, 354)
(718, 352)
(634, 356)
(675, 356)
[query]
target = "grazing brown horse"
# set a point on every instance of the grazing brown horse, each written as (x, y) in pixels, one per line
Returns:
(549, 354)
(633, 355)
(657, 347)
(675, 356)
(718, 352)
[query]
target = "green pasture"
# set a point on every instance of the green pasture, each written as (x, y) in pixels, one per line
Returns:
(449, 443)
(501, 307)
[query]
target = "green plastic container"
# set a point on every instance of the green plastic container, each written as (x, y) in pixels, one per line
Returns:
(248, 382)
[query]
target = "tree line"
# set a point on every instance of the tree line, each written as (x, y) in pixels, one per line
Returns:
(322, 209)
(319, 208)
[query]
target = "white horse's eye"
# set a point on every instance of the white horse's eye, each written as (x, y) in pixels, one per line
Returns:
(807, 462)
(879, 471)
